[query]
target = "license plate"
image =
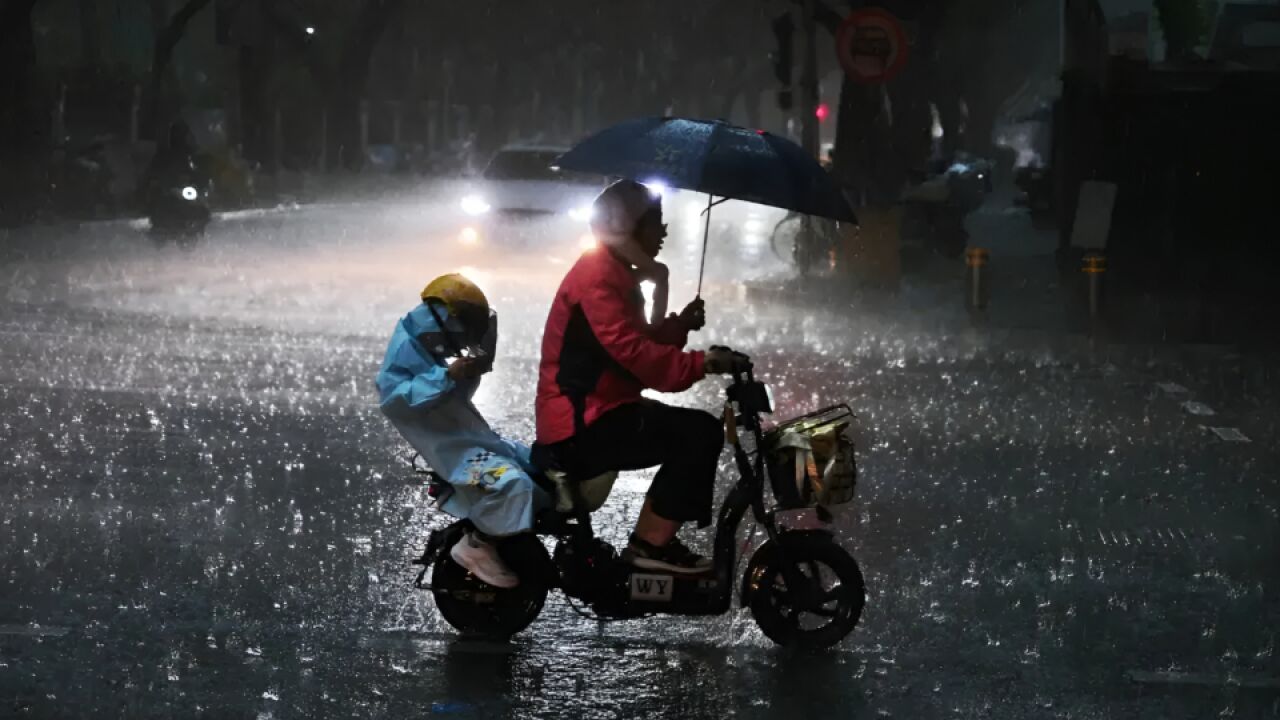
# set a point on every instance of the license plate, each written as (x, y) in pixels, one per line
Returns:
(652, 587)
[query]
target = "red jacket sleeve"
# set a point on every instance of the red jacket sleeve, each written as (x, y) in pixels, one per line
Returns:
(656, 365)
(671, 331)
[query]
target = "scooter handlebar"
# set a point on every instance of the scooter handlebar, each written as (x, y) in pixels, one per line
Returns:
(741, 362)
(752, 397)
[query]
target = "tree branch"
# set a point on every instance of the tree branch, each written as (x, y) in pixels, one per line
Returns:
(166, 40)
(178, 24)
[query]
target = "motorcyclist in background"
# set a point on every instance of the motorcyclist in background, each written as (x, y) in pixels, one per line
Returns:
(599, 352)
(176, 158)
(431, 370)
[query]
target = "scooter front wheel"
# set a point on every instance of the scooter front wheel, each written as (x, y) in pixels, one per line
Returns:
(826, 606)
(474, 607)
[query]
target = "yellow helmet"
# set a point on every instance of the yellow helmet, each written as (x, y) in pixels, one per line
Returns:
(454, 288)
(460, 296)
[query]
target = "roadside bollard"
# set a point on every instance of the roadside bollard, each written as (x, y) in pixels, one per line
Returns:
(976, 259)
(1095, 265)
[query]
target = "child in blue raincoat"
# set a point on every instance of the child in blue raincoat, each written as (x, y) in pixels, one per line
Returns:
(430, 373)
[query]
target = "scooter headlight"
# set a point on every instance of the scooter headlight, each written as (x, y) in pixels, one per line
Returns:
(190, 193)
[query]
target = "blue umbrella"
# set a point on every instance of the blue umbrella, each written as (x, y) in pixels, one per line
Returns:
(712, 157)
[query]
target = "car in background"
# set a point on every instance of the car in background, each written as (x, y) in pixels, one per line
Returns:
(522, 197)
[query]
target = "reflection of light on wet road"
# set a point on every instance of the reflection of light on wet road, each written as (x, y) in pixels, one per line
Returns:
(217, 404)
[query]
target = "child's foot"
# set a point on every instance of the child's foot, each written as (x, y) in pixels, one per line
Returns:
(481, 559)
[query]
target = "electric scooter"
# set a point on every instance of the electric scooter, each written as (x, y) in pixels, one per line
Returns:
(802, 588)
(179, 207)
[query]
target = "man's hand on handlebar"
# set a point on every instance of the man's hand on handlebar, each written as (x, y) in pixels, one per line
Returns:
(721, 360)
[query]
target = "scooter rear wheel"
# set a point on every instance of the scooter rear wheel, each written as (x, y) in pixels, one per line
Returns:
(821, 613)
(474, 607)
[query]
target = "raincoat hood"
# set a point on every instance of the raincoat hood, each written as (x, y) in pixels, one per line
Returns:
(616, 211)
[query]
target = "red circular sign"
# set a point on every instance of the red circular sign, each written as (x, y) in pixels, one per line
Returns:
(871, 45)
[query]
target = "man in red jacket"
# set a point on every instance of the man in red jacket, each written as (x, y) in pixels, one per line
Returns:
(599, 353)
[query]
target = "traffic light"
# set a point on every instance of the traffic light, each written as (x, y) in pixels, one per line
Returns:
(822, 112)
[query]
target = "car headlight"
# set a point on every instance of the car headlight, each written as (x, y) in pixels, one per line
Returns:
(189, 193)
(581, 214)
(474, 205)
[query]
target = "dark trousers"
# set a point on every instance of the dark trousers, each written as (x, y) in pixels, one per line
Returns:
(686, 443)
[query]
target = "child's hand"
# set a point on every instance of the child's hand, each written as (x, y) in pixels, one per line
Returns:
(468, 369)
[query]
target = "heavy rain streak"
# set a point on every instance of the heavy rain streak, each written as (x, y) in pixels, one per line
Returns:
(263, 456)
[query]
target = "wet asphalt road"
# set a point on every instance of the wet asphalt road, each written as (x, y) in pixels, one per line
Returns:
(202, 514)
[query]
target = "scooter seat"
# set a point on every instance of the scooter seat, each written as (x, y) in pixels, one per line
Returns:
(587, 496)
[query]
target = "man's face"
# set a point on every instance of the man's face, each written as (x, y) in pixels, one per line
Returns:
(650, 232)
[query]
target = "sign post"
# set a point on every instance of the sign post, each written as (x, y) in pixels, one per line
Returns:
(872, 46)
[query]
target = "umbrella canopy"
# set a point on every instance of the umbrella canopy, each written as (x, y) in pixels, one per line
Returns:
(716, 158)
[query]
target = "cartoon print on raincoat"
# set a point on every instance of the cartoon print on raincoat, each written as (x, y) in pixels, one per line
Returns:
(435, 414)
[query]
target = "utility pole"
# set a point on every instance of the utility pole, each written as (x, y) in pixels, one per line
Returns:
(809, 79)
